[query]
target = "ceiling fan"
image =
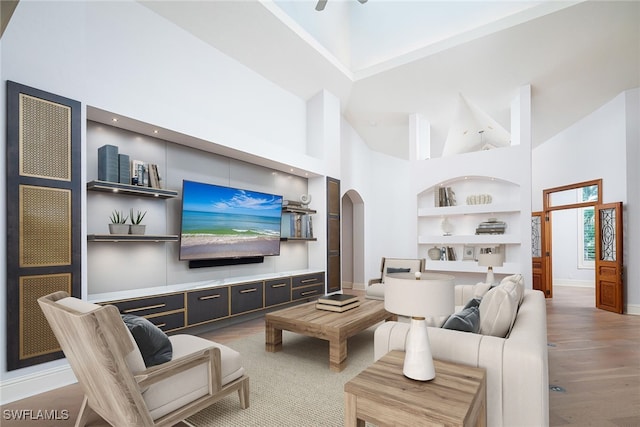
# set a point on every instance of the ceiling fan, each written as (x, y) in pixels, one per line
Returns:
(322, 3)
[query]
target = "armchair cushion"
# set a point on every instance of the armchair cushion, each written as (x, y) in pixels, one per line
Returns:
(154, 344)
(174, 392)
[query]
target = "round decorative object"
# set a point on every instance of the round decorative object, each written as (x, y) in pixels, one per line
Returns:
(305, 199)
(434, 253)
(446, 226)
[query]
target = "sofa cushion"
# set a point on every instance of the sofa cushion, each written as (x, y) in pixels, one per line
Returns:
(154, 344)
(467, 320)
(498, 310)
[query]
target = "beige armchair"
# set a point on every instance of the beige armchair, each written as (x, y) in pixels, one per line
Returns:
(119, 388)
(375, 288)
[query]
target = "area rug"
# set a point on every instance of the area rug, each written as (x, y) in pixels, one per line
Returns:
(293, 387)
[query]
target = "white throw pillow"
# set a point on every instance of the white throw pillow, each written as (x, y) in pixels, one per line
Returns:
(480, 289)
(515, 285)
(498, 310)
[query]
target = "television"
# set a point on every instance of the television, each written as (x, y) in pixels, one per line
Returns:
(225, 223)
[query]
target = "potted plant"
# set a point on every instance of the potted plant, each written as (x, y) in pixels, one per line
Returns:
(136, 226)
(118, 223)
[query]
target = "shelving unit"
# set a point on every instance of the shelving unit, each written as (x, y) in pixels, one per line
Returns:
(136, 191)
(288, 215)
(464, 219)
(115, 238)
(130, 190)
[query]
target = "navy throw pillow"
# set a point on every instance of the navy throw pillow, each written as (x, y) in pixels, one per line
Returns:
(152, 342)
(467, 320)
(397, 270)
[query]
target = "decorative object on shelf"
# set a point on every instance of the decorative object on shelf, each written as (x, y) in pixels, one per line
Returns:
(136, 222)
(108, 163)
(447, 253)
(446, 227)
(468, 253)
(305, 199)
(491, 226)
(490, 260)
(445, 196)
(418, 298)
(434, 253)
(479, 199)
(118, 223)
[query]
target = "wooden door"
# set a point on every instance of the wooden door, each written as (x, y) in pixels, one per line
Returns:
(334, 276)
(609, 293)
(537, 250)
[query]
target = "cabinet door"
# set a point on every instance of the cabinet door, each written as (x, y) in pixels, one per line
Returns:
(334, 276)
(152, 305)
(168, 322)
(206, 305)
(246, 297)
(277, 291)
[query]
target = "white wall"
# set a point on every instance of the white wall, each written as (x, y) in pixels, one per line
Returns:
(95, 52)
(598, 147)
(389, 201)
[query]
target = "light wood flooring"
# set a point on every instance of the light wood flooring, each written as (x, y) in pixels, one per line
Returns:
(594, 366)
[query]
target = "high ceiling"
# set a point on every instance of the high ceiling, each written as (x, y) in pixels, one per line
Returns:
(389, 59)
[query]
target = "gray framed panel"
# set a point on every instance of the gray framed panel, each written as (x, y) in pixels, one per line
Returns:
(43, 216)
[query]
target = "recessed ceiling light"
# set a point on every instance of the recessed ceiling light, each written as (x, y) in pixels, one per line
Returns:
(115, 119)
(155, 131)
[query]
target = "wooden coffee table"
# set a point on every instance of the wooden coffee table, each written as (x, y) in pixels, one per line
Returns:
(334, 327)
(382, 395)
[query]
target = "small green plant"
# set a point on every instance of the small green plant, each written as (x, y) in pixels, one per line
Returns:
(118, 217)
(137, 218)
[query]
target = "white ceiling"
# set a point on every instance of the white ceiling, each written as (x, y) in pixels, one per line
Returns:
(389, 59)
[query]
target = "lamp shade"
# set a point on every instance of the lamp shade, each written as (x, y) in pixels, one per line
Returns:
(490, 260)
(431, 295)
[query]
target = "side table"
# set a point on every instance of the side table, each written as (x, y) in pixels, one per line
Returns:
(382, 395)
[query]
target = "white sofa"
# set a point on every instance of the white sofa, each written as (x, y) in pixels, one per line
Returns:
(516, 366)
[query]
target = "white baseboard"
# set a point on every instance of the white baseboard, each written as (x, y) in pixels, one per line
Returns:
(36, 383)
(574, 283)
(633, 309)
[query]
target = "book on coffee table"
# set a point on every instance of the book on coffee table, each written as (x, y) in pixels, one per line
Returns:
(338, 299)
(338, 308)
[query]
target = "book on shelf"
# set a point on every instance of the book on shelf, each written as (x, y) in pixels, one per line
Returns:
(337, 308)
(338, 299)
(446, 197)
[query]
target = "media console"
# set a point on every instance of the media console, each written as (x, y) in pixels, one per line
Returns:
(175, 307)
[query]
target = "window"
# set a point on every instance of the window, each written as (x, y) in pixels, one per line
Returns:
(586, 229)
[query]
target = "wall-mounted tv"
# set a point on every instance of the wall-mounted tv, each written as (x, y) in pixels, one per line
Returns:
(228, 223)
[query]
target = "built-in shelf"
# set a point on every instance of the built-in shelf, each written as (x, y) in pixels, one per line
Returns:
(470, 267)
(114, 238)
(130, 190)
(473, 239)
(298, 239)
(297, 209)
(469, 209)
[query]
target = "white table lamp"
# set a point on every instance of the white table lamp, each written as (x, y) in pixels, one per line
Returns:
(418, 297)
(490, 260)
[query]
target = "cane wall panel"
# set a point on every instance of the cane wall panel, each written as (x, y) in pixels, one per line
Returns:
(44, 216)
(45, 226)
(45, 139)
(36, 337)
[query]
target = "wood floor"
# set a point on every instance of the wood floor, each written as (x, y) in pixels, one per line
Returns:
(594, 367)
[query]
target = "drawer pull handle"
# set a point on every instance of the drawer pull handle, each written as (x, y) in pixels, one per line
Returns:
(248, 291)
(148, 307)
(161, 325)
(208, 297)
(279, 285)
(304, 294)
(308, 280)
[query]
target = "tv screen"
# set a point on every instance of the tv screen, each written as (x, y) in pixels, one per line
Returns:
(223, 222)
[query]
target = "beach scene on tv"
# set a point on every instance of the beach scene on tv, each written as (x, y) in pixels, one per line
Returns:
(224, 222)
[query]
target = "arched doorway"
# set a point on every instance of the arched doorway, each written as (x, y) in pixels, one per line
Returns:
(352, 241)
